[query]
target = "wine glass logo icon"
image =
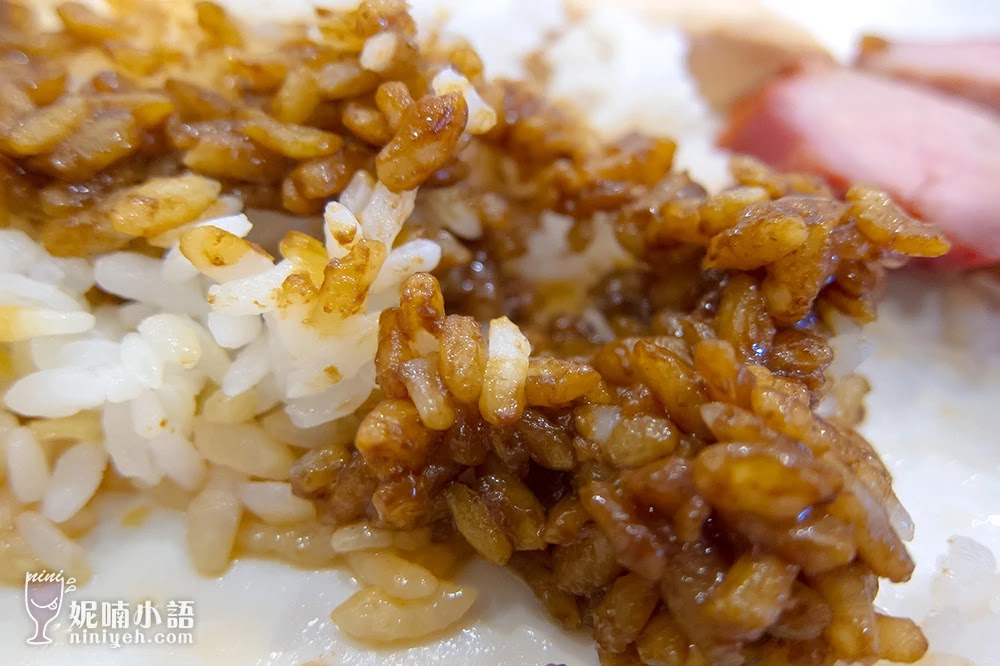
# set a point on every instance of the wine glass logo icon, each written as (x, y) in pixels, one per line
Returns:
(43, 598)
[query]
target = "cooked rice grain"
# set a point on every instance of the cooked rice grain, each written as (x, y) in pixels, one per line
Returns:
(213, 518)
(400, 579)
(274, 503)
(371, 615)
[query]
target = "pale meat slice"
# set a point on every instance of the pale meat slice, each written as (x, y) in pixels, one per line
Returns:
(728, 63)
(937, 155)
(970, 69)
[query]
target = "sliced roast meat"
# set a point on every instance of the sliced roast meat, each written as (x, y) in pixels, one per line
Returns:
(936, 154)
(970, 69)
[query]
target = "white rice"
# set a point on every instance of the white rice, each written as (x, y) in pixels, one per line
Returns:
(274, 502)
(213, 518)
(243, 447)
(52, 547)
(179, 460)
(75, 478)
(28, 469)
(146, 369)
(360, 537)
(398, 577)
(376, 56)
(653, 91)
(177, 377)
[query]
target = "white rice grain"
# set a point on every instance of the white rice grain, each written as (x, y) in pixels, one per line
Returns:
(176, 268)
(57, 392)
(251, 263)
(44, 352)
(347, 350)
(83, 426)
(28, 470)
(233, 331)
(140, 361)
(360, 536)
(214, 362)
(8, 424)
(341, 230)
(332, 433)
(371, 615)
(178, 459)
(248, 368)
(129, 452)
(76, 476)
(72, 275)
(172, 338)
(274, 503)
(337, 401)
(53, 548)
(238, 224)
(213, 518)
(120, 384)
(178, 400)
(269, 394)
(243, 447)
(597, 422)
(602, 255)
(399, 578)
(450, 206)
(137, 277)
(502, 399)
(252, 295)
(358, 192)
(25, 323)
(219, 407)
(416, 256)
(385, 213)
(17, 251)
(149, 418)
(378, 51)
(17, 289)
(65, 351)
